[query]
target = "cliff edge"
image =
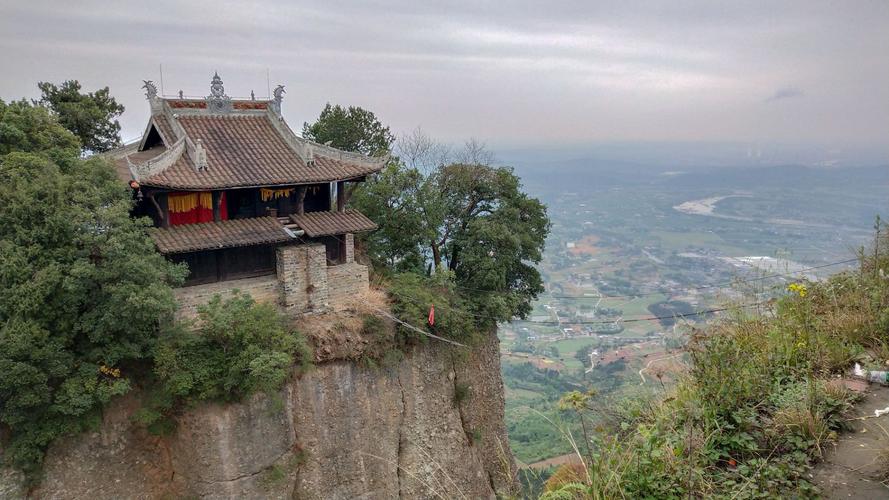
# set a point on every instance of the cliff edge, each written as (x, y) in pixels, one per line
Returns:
(346, 429)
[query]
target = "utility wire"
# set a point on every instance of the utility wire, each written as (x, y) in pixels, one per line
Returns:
(414, 328)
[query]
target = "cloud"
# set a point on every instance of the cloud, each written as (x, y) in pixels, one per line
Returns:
(785, 93)
(509, 72)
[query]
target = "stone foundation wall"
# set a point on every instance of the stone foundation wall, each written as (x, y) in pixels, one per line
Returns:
(261, 288)
(303, 282)
(345, 281)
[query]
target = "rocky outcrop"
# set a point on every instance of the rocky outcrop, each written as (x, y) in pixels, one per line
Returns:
(345, 429)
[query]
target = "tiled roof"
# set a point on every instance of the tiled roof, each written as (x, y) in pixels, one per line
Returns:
(246, 150)
(165, 129)
(329, 223)
(223, 234)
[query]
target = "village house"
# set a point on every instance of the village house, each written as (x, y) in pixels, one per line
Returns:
(245, 202)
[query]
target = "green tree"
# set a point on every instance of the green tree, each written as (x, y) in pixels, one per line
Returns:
(393, 198)
(470, 219)
(30, 129)
(90, 116)
(81, 287)
(350, 129)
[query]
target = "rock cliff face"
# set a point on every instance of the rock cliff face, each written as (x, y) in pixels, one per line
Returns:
(342, 430)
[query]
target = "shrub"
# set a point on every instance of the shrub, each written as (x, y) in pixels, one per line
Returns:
(235, 348)
(413, 295)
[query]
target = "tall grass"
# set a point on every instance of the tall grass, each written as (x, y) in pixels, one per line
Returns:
(757, 406)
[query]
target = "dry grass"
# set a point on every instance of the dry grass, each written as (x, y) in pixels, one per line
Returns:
(341, 333)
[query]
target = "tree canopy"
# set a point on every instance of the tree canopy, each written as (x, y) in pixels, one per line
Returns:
(449, 212)
(90, 116)
(350, 129)
(81, 287)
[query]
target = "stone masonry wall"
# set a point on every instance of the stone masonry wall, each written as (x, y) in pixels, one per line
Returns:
(303, 282)
(302, 272)
(350, 248)
(261, 288)
(345, 281)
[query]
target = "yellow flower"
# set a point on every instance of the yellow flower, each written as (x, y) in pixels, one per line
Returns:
(797, 288)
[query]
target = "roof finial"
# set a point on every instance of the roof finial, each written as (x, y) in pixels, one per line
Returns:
(252, 95)
(181, 94)
(200, 156)
(216, 88)
(217, 101)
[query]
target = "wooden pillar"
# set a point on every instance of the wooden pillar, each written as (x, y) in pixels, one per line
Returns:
(300, 200)
(217, 205)
(161, 206)
(340, 196)
(341, 242)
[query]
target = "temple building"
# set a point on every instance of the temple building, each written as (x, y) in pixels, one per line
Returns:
(245, 202)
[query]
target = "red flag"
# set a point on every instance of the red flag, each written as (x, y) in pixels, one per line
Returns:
(432, 315)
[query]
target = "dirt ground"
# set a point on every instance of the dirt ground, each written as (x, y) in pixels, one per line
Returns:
(858, 465)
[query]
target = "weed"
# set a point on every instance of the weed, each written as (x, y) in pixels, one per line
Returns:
(462, 392)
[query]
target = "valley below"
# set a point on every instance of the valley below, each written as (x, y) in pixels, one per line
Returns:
(634, 262)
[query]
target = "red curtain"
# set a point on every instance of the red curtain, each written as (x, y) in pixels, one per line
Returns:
(193, 208)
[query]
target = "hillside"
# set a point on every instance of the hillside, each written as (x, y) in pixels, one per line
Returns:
(760, 404)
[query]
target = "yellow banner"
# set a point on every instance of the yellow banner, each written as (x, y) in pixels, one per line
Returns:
(186, 202)
(269, 194)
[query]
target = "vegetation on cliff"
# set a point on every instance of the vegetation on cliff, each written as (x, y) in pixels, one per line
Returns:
(82, 289)
(756, 408)
(86, 302)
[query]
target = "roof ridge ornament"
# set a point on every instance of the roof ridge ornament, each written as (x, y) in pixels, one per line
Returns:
(150, 89)
(217, 101)
(200, 156)
(278, 94)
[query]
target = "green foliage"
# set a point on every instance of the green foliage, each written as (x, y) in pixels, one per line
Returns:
(393, 198)
(413, 294)
(472, 220)
(757, 407)
(467, 217)
(350, 129)
(373, 325)
(30, 129)
(90, 116)
(82, 289)
(236, 348)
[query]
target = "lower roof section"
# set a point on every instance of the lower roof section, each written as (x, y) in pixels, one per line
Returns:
(330, 223)
(222, 234)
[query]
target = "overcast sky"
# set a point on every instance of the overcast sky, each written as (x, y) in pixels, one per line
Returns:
(513, 74)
